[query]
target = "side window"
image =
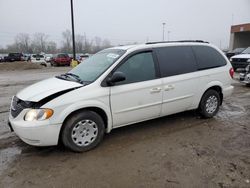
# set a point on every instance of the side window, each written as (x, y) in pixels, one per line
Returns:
(208, 57)
(138, 68)
(176, 60)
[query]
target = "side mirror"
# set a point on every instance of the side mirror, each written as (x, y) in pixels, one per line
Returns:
(116, 77)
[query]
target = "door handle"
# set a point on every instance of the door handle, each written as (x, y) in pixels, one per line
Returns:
(169, 87)
(155, 90)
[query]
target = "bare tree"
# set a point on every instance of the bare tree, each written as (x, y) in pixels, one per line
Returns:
(39, 42)
(67, 41)
(22, 42)
(51, 47)
(79, 43)
(106, 44)
(88, 44)
(97, 44)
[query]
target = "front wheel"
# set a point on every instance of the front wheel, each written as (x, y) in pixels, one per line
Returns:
(83, 131)
(209, 105)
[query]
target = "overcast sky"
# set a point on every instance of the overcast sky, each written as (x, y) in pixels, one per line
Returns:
(125, 21)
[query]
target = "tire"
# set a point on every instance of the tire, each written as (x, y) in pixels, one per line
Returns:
(83, 131)
(209, 105)
(54, 64)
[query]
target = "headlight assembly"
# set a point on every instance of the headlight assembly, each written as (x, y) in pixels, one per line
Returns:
(38, 114)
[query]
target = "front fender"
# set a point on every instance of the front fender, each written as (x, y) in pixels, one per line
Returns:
(86, 104)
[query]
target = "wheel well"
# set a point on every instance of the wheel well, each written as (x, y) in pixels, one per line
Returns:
(219, 90)
(99, 111)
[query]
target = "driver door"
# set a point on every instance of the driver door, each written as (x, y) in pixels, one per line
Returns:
(139, 97)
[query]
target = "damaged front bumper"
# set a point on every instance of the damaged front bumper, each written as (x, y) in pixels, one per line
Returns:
(245, 78)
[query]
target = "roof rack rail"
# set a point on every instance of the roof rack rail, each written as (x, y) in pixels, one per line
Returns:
(198, 41)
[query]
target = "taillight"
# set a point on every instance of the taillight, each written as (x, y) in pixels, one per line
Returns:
(231, 72)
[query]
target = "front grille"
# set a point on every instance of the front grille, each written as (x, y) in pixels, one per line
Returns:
(18, 105)
(240, 60)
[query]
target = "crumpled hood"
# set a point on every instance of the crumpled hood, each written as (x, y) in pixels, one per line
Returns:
(45, 88)
(243, 56)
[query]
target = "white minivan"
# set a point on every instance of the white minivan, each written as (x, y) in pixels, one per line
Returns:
(121, 86)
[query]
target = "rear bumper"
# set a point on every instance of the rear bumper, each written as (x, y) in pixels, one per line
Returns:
(227, 92)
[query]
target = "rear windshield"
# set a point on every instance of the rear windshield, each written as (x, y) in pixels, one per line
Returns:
(37, 56)
(246, 51)
(62, 55)
(15, 54)
(238, 50)
(207, 57)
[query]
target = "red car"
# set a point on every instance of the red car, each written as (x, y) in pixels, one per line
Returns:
(61, 60)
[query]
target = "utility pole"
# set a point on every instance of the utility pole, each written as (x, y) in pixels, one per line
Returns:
(73, 30)
(163, 31)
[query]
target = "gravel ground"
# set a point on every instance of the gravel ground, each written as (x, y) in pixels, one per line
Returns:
(181, 150)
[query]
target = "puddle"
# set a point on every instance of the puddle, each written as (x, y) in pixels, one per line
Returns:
(231, 110)
(7, 156)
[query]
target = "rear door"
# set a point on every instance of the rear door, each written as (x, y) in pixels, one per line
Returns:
(178, 68)
(139, 97)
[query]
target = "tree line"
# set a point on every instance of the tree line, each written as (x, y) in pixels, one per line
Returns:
(39, 42)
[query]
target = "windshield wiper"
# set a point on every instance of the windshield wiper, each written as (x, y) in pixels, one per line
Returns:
(71, 75)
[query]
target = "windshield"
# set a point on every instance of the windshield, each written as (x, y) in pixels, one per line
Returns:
(94, 66)
(238, 50)
(246, 51)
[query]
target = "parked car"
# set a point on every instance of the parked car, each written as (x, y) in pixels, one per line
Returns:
(26, 57)
(1, 58)
(61, 59)
(240, 61)
(39, 59)
(121, 86)
(245, 76)
(14, 57)
(234, 52)
(83, 57)
(48, 58)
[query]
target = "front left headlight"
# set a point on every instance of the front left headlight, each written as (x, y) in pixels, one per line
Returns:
(248, 60)
(38, 114)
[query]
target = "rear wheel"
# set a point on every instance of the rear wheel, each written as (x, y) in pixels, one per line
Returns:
(209, 105)
(83, 131)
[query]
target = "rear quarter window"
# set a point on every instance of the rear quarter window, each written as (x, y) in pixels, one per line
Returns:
(176, 60)
(208, 57)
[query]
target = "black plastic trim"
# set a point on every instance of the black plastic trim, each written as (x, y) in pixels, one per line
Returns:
(160, 42)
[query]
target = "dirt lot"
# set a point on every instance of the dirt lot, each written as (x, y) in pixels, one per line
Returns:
(176, 151)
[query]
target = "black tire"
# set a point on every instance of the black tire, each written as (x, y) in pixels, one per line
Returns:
(71, 123)
(204, 110)
(54, 64)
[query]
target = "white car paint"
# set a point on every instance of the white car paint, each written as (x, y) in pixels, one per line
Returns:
(243, 56)
(123, 105)
(53, 85)
(39, 59)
